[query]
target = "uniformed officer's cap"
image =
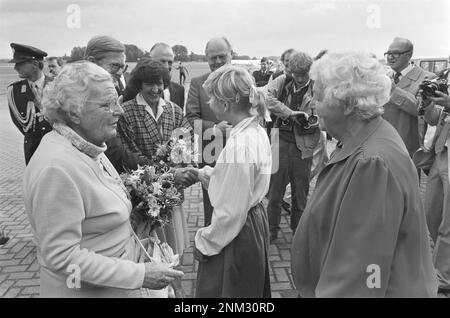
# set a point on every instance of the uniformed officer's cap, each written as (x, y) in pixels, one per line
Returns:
(23, 53)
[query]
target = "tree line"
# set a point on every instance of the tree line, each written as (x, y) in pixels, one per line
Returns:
(134, 53)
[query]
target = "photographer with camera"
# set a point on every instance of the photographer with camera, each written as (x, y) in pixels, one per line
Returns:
(289, 99)
(437, 194)
(401, 111)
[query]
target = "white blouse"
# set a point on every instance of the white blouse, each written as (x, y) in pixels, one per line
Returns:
(238, 182)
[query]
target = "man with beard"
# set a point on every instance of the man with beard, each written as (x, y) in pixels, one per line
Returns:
(24, 96)
(218, 53)
(163, 53)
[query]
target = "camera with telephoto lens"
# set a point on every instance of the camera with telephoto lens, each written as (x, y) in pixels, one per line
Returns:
(429, 87)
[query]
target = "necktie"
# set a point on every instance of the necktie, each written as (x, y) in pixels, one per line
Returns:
(397, 77)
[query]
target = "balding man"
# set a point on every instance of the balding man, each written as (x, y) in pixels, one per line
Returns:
(218, 53)
(402, 109)
(109, 53)
(163, 53)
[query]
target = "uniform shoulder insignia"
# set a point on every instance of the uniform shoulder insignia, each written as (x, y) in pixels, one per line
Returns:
(16, 82)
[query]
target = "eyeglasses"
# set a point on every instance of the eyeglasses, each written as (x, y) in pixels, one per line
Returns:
(118, 66)
(112, 105)
(395, 55)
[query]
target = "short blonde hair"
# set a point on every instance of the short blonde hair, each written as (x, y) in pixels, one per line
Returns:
(353, 78)
(67, 93)
(234, 84)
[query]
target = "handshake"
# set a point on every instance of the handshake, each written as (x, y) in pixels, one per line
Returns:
(190, 175)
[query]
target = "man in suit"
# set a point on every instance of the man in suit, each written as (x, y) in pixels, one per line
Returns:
(402, 108)
(25, 96)
(109, 54)
(163, 53)
(437, 193)
(54, 65)
(218, 53)
(263, 75)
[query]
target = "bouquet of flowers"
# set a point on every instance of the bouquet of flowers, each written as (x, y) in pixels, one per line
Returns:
(176, 153)
(153, 194)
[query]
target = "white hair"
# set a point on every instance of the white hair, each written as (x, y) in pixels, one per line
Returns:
(355, 79)
(234, 84)
(67, 93)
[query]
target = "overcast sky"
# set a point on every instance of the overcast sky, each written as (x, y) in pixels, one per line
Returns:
(254, 27)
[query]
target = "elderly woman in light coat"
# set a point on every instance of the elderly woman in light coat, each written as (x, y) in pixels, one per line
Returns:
(363, 232)
(77, 206)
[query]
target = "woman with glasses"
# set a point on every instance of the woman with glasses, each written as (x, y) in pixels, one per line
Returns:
(74, 198)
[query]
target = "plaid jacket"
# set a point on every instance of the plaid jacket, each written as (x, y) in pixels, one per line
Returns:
(140, 133)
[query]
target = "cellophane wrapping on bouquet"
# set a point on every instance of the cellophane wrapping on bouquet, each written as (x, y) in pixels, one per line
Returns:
(154, 194)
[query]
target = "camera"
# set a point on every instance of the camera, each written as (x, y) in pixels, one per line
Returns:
(306, 124)
(429, 87)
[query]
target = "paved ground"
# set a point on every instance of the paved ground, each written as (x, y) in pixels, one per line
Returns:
(19, 270)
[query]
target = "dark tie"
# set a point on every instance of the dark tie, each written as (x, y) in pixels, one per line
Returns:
(397, 77)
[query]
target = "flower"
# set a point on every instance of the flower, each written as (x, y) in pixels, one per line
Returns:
(153, 194)
(156, 187)
(175, 152)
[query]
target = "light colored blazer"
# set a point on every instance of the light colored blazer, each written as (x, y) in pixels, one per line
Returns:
(401, 109)
(80, 219)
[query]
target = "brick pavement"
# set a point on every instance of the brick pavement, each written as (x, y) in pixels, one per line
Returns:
(19, 270)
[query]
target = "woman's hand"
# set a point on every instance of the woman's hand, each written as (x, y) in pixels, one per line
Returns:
(204, 175)
(158, 275)
(186, 176)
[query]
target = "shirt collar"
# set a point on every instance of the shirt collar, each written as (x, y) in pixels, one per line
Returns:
(78, 142)
(242, 125)
(141, 101)
(167, 94)
(407, 69)
(39, 82)
(350, 146)
(300, 88)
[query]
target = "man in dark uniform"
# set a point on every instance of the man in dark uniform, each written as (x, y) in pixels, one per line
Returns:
(25, 96)
(263, 75)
